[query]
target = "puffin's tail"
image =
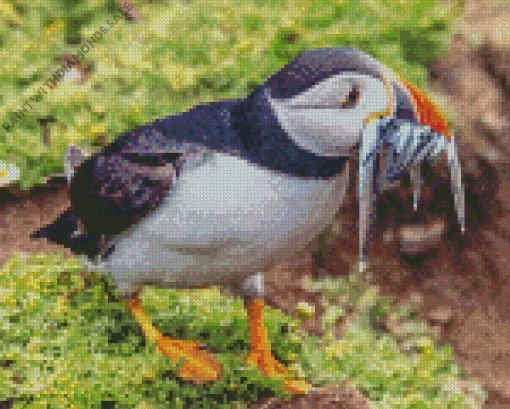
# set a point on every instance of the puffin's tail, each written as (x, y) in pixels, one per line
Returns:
(61, 230)
(65, 231)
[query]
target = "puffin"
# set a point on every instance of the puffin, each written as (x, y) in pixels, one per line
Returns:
(224, 191)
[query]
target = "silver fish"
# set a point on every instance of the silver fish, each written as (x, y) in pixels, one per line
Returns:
(404, 146)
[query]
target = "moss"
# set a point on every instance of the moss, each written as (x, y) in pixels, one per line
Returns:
(67, 341)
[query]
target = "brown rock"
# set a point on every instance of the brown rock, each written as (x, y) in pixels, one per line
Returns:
(418, 239)
(441, 315)
(334, 397)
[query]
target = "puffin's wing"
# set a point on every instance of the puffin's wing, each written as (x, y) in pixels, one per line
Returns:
(110, 191)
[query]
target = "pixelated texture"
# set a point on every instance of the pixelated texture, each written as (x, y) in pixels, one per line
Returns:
(180, 56)
(69, 342)
(95, 71)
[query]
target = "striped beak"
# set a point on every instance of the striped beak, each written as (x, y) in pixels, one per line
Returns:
(407, 101)
(426, 111)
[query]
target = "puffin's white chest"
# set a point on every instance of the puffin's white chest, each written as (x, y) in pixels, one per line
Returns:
(222, 221)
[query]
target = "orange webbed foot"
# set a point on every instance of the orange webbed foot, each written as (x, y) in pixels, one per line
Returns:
(198, 365)
(260, 354)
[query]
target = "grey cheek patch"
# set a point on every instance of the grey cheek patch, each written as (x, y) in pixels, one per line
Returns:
(404, 146)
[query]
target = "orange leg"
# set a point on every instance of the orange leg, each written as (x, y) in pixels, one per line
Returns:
(260, 354)
(199, 365)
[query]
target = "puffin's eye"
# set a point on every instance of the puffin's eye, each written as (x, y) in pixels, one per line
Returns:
(352, 99)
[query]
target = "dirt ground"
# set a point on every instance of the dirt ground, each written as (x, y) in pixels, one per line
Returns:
(463, 282)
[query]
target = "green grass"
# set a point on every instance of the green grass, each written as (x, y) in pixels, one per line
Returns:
(68, 342)
(181, 53)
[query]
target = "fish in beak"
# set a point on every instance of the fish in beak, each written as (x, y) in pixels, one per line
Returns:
(403, 144)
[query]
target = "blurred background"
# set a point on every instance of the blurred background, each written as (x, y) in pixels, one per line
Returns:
(169, 56)
(164, 57)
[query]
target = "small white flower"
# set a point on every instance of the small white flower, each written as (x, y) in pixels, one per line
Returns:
(8, 173)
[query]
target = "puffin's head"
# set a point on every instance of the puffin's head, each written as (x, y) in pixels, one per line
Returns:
(324, 98)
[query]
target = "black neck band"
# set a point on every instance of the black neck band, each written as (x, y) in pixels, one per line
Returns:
(264, 141)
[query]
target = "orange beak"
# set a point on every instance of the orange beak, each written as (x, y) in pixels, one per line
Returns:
(427, 112)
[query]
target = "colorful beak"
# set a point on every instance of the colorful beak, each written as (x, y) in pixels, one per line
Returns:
(426, 111)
